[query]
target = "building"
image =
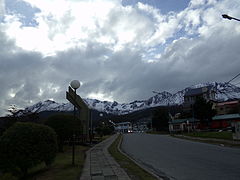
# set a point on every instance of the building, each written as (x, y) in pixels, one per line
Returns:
(224, 121)
(191, 95)
(183, 125)
(228, 107)
(123, 127)
(191, 124)
(142, 124)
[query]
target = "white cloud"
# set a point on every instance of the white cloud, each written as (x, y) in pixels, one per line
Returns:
(75, 22)
(2, 8)
(100, 96)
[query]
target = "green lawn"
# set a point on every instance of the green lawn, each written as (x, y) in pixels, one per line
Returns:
(218, 135)
(133, 170)
(62, 168)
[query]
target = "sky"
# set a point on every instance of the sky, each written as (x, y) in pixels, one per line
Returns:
(120, 50)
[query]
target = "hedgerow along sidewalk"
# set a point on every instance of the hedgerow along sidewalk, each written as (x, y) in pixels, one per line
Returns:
(100, 165)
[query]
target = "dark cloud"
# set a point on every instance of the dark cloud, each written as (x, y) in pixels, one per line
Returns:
(124, 74)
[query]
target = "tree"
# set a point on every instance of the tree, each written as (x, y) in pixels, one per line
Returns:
(203, 110)
(104, 128)
(160, 119)
(64, 126)
(24, 145)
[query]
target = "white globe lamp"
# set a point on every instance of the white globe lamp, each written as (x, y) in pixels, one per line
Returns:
(75, 84)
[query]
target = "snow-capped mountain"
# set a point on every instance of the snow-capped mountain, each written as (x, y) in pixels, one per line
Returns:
(224, 91)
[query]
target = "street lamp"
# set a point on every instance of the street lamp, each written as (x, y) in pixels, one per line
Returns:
(225, 16)
(75, 84)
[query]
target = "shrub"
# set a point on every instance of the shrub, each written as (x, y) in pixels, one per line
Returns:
(8, 176)
(105, 129)
(25, 145)
(64, 126)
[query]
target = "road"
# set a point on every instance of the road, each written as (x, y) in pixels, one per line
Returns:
(173, 158)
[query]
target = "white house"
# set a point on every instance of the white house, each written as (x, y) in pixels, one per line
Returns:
(123, 127)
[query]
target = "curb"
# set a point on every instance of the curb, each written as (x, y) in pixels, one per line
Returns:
(140, 165)
(220, 142)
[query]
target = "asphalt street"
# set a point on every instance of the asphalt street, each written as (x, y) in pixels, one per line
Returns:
(173, 158)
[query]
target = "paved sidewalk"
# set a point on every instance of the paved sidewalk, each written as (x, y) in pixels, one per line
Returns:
(99, 165)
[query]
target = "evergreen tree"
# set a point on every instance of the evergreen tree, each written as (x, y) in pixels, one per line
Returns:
(203, 110)
(160, 119)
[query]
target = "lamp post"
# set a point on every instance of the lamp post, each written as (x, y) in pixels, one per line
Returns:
(91, 127)
(75, 84)
(225, 16)
(102, 124)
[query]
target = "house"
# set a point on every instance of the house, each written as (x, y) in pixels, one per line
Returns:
(142, 124)
(228, 107)
(123, 127)
(224, 121)
(191, 95)
(191, 124)
(183, 125)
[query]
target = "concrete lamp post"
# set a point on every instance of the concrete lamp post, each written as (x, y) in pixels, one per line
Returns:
(75, 84)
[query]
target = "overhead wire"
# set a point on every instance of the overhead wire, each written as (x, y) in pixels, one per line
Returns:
(234, 78)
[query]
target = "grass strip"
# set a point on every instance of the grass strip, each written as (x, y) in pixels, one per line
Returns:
(62, 168)
(218, 135)
(133, 170)
(219, 142)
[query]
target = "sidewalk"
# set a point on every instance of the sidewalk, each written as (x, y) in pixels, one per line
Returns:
(99, 165)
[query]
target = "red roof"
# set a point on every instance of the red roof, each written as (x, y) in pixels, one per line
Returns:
(227, 103)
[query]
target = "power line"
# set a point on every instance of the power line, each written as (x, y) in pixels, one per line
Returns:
(237, 83)
(234, 78)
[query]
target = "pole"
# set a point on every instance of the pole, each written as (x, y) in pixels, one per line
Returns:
(193, 119)
(91, 127)
(73, 142)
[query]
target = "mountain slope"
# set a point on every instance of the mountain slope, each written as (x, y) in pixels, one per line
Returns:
(224, 91)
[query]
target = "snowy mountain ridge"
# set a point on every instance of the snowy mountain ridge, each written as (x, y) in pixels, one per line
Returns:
(224, 91)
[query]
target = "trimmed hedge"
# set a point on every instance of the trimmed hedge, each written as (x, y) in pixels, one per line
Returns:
(24, 145)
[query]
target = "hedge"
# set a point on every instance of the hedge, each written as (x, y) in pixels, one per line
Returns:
(24, 145)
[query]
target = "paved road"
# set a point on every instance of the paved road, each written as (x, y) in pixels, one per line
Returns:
(173, 158)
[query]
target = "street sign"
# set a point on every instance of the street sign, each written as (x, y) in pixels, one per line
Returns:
(84, 112)
(76, 101)
(71, 99)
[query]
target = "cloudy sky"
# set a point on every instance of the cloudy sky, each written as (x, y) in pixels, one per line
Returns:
(120, 50)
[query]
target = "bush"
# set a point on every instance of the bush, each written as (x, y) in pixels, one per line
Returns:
(8, 176)
(105, 129)
(64, 126)
(24, 145)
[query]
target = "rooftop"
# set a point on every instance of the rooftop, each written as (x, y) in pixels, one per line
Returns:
(226, 116)
(198, 91)
(215, 118)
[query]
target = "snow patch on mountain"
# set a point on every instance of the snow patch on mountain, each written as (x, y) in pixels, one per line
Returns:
(224, 91)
